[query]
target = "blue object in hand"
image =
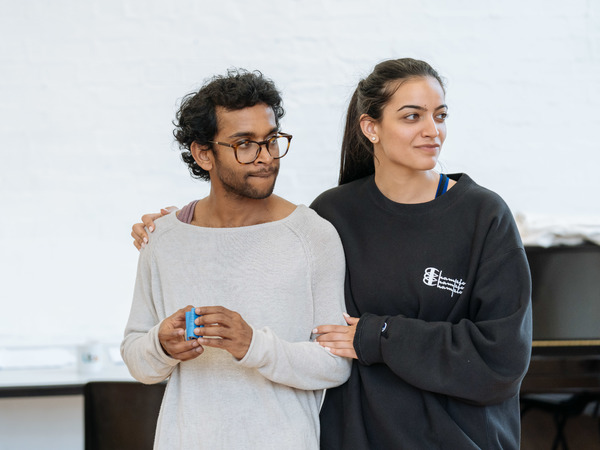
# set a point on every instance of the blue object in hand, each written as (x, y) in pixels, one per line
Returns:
(190, 326)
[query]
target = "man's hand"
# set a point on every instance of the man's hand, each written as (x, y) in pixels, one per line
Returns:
(225, 329)
(138, 233)
(339, 339)
(171, 335)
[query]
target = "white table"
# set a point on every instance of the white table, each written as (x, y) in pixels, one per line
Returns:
(43, 407)
(61, 381)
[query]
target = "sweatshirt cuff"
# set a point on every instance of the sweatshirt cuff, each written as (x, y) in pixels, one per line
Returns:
(367, 340)
(158, 350)
(253, 357)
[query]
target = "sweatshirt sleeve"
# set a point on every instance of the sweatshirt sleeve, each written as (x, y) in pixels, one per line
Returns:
(307, 365)
(141, 349)
(481, 360)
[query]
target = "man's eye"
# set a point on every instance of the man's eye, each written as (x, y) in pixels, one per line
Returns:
(244, 145)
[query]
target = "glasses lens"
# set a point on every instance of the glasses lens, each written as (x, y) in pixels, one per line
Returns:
(246, 152)
(278, 147)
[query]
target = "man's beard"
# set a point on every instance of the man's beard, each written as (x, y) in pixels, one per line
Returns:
(237, 183)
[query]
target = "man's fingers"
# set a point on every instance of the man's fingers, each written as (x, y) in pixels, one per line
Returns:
(206, 310)
(189, 354)
(211, 319)
(214, 331)
(176, 334)
(172, 341)
(214, 342)
(179, 315)
(176, 346)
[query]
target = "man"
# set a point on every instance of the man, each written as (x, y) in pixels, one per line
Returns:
(261, 272)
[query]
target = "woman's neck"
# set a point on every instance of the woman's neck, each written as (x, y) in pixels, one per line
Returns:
(409, 187)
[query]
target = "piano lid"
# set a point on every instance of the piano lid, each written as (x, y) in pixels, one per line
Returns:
(565, 298)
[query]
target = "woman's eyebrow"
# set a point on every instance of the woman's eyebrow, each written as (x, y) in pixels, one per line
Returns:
(420, 108)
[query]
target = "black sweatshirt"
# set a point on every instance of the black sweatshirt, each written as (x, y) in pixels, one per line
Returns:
(443, 293)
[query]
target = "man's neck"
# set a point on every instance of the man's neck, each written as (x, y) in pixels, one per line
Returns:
(221, 211)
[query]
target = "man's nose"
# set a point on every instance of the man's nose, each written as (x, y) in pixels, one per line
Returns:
(263, 155)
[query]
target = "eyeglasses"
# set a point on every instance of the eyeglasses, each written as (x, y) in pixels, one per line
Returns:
(246, 152)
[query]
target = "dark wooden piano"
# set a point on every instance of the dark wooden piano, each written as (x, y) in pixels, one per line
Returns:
(570, 368)
(564, 375)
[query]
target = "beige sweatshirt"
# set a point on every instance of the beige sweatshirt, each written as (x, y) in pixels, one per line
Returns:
(284, 278)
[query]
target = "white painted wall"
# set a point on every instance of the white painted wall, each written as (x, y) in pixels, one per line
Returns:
(88, 90)
(49, 423)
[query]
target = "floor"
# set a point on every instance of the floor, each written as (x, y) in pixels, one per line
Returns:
(537, 432)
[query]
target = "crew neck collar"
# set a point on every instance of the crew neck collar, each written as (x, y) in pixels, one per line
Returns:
(463, 183)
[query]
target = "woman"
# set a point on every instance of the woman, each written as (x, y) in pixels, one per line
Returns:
(437, 284)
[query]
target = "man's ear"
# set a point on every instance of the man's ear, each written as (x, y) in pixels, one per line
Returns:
(202, 155)
(369, 128)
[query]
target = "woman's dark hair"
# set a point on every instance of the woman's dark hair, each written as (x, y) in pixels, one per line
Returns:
(196, 120)
(370, 97)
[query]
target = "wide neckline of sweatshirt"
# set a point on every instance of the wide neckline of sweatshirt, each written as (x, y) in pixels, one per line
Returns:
(435, 206)
(296, 212)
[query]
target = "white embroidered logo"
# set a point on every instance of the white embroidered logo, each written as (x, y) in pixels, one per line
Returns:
(433, 277)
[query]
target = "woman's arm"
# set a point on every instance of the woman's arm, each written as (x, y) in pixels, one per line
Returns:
(138, 230)
(481, 360)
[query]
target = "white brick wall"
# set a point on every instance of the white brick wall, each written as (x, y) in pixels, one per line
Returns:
(88, 90)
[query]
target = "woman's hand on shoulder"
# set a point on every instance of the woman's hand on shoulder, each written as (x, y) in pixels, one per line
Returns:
(339, 339)
(138, 230)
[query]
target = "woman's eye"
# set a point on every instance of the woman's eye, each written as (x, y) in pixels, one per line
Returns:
(412, 116)
(442, 116)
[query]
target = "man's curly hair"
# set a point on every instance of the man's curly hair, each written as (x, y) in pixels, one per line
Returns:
(196, 120)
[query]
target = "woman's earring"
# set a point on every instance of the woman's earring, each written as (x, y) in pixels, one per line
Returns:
(373, 138)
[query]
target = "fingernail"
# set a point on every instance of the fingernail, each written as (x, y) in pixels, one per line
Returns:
(346, 315)
(315, 331)
(328, 349)
(143, 245)
(146, 240)
(151, 229)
